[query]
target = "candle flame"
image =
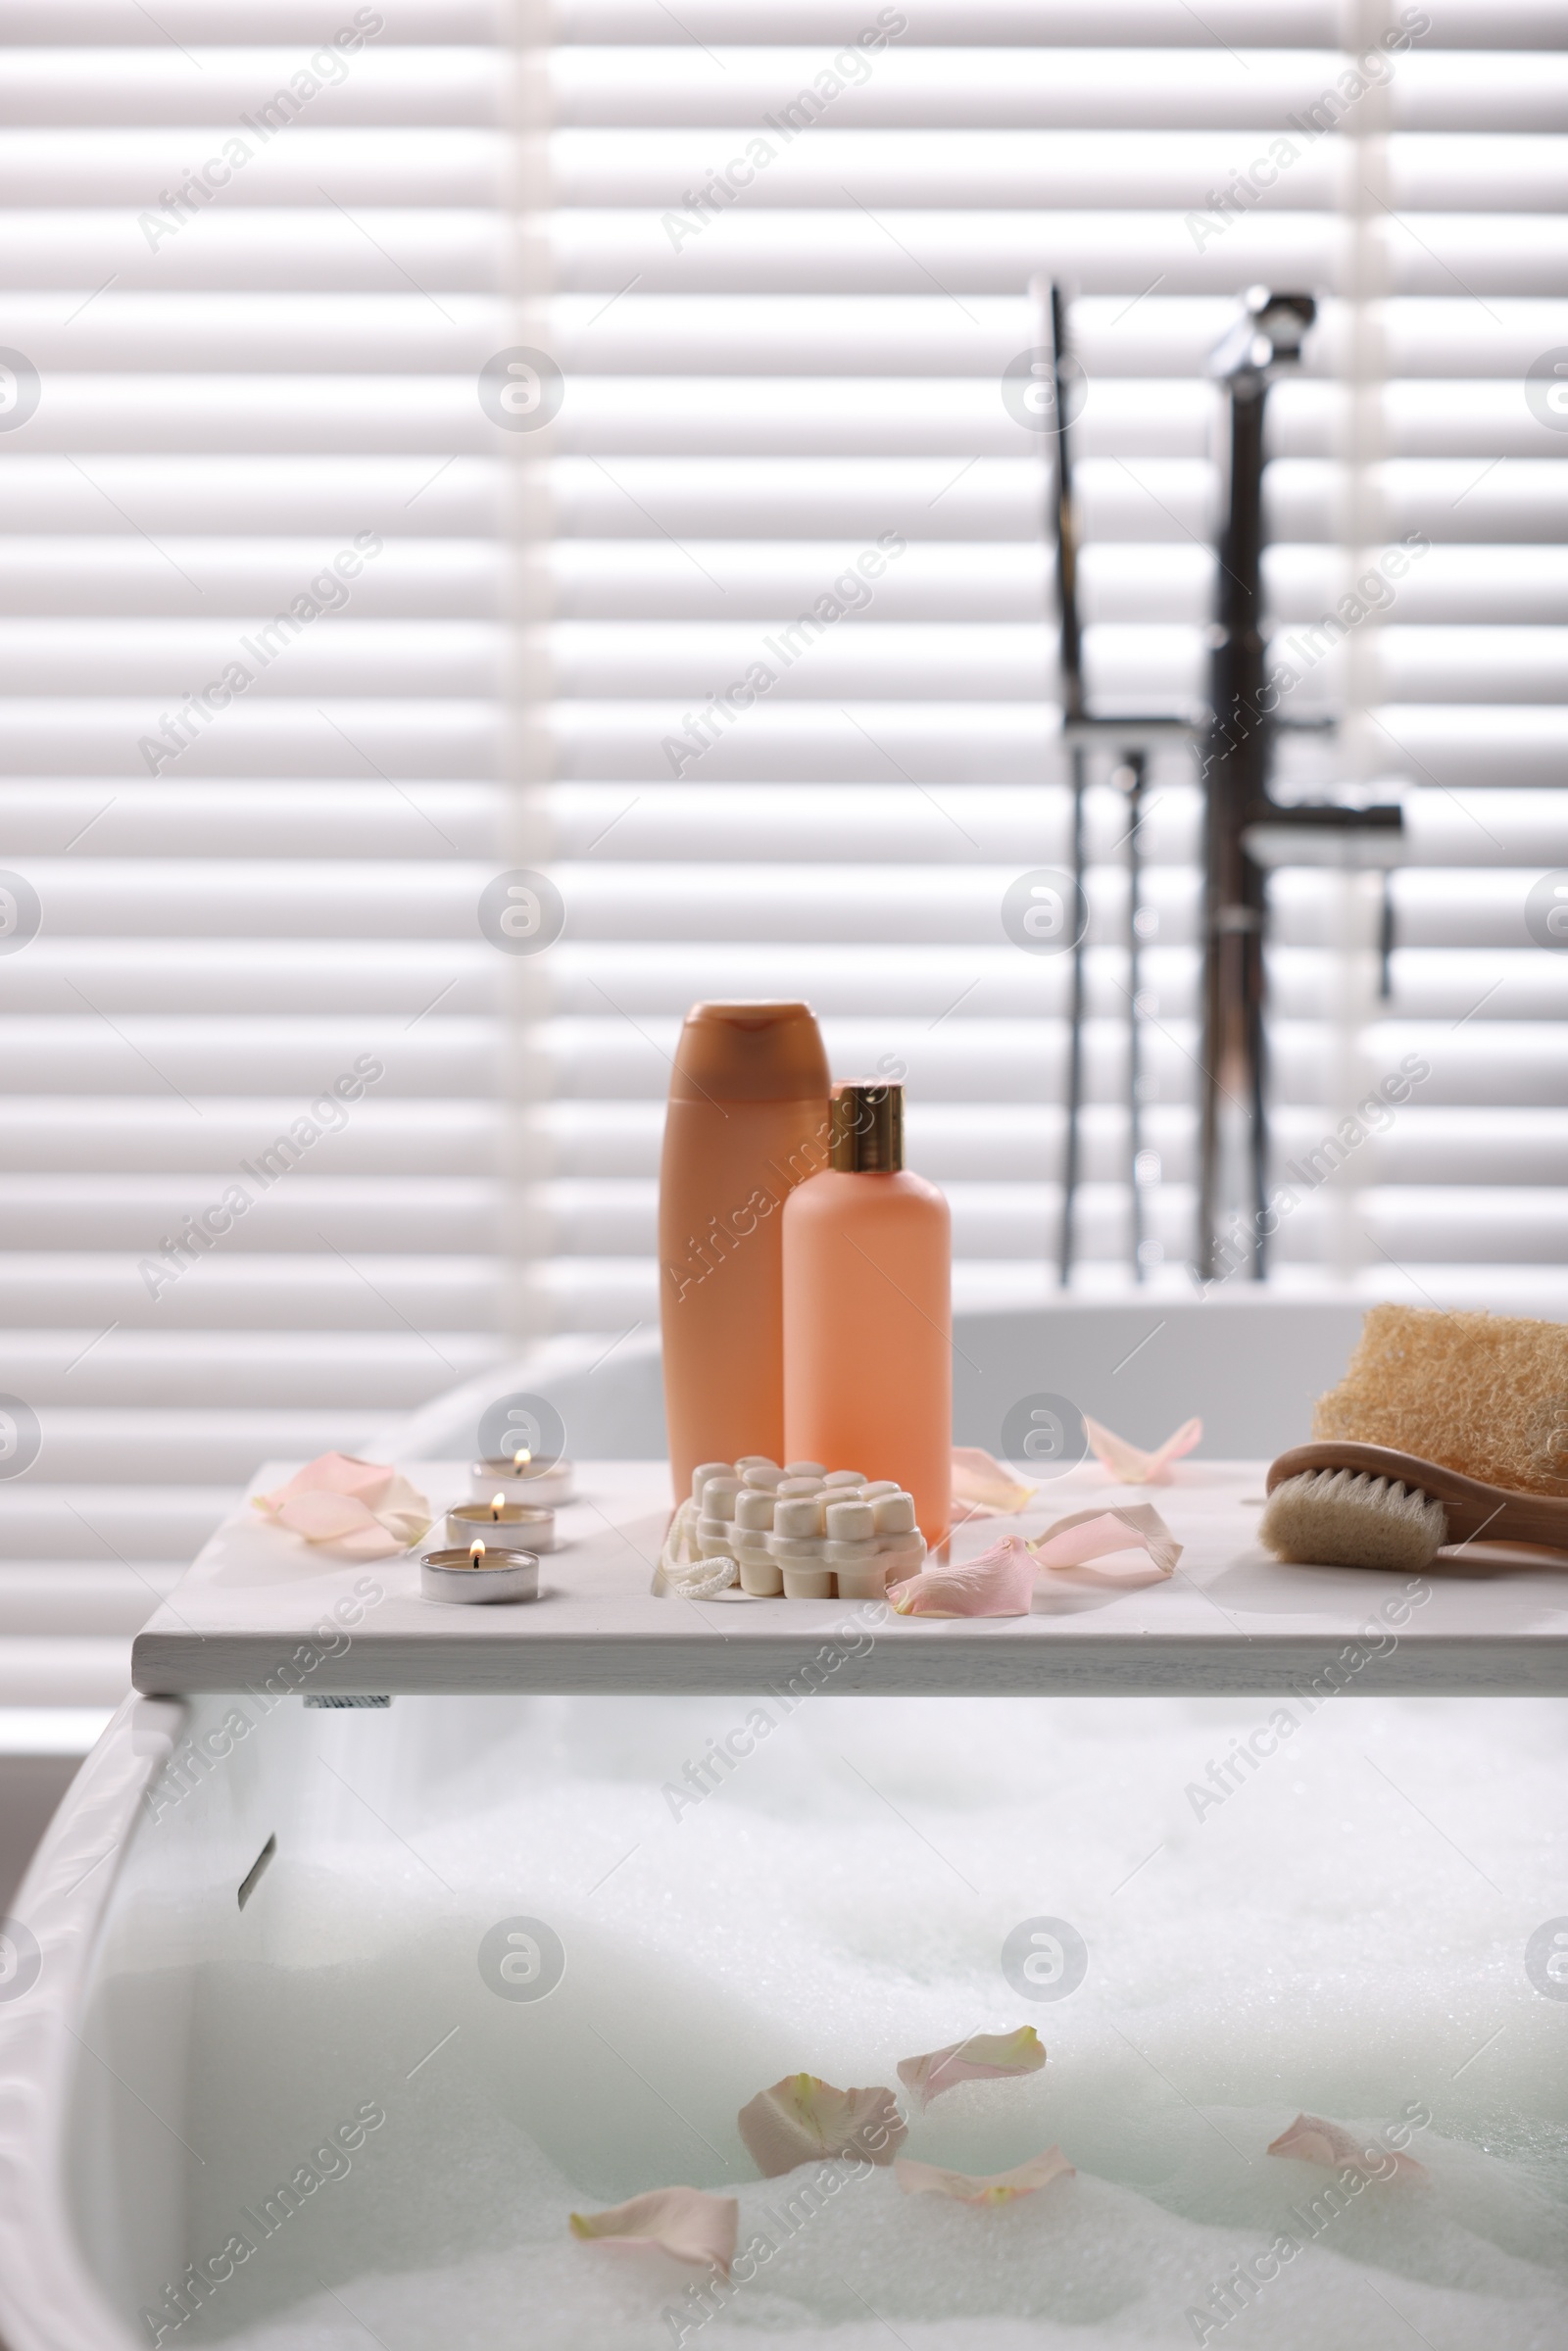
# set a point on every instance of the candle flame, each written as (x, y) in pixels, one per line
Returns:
(475, 1551)
(522, 1457)
(497, 1503)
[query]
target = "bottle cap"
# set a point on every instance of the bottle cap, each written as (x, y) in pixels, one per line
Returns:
(867, 1128)
(749, 1052)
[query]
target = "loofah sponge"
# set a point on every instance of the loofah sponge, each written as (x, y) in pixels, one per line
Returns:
(1483, 1394)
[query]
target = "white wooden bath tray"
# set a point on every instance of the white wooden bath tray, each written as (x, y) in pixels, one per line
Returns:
(259, 1608)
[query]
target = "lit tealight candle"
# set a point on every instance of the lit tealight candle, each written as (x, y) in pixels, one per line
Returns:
(476, 1574)
(518, 1478)
(523, 1526)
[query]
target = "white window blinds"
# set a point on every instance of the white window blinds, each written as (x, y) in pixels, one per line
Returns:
(258, 257)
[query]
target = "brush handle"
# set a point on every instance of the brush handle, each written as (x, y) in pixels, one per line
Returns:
(1472, 1507)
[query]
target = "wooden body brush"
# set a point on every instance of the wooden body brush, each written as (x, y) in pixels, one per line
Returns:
(1339, 1504)
(1446, 1428)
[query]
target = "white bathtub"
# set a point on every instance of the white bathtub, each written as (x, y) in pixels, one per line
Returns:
(325, 2113)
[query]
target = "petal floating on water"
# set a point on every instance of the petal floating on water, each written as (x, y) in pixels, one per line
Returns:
(806, 2120)
(997, 2188)
(1311, 2139)
(983, 2057)
(683, 2222)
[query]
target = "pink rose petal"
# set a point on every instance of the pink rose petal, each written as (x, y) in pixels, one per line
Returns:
(983, 2057)
(364, 1508)
(995, 2188)
(1091, 1534)
(324, 1517)
(340, 1521)
(1311, 2139)
(334, 1473)
(682, 2222)
(999, 1582)
(1131, 1465)
(983, 1487)
(805, 2120)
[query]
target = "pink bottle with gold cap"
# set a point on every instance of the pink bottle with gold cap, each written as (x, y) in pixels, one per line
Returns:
(868, 1313)
(748, 1119)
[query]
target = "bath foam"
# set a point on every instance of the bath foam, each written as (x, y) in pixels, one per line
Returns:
(1097, 2263)
(1259, 1941)
(844, 2262)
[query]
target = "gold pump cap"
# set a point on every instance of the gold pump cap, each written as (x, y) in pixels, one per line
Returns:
(867, 1127)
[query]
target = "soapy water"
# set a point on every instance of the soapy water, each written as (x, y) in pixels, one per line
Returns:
(1340, 1929)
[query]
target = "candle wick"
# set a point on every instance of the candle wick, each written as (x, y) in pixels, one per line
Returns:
(475, 1551)
(497, 1503)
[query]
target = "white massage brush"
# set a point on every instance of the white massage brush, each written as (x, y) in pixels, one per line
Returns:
(1339, 1504)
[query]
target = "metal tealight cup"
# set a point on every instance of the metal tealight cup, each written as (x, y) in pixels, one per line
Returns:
(472, 1577)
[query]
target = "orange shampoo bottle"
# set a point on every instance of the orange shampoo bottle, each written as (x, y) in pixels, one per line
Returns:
(748, 1119)
(867, 1311)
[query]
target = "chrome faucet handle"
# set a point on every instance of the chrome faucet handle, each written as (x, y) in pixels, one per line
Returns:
(1268, 335)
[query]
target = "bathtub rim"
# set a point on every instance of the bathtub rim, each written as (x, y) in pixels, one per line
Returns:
(49, 2298)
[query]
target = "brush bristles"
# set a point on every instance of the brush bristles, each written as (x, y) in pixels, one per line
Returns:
(1342, 1518)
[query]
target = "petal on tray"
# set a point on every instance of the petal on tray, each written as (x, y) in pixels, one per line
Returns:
(999, 1582)
(365, 1507)
(1091, 1534)
(338, 1519)
(985, 1485)
(1131, 1465)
